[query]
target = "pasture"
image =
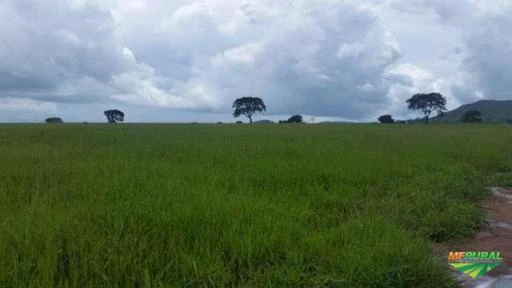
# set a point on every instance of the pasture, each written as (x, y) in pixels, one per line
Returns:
(240, 205)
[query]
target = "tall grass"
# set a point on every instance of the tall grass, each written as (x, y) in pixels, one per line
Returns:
(238, 205)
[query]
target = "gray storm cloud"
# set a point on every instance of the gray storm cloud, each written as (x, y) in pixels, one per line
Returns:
(489, 58)
(347, 59)
(55, 51)
(301, 56)
(487, 38)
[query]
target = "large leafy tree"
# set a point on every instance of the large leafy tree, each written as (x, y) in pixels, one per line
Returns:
(114, 116)
(54, 120)
(386, 119)
(248, 106)
(295, 119)
(427, 103)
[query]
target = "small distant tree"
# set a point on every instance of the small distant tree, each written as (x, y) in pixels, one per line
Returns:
(427, 103)
(239, 122)
(114, 116)
(295, 119)
(248, 106)
(54, 120)
(472, 116)
(386, 119)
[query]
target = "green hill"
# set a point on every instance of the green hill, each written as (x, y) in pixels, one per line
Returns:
(493, 111)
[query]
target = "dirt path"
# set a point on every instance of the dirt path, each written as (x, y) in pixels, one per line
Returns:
(495, 236)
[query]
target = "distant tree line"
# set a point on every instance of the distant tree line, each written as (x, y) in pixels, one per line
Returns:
(54, 120)
(472, 116)
(425, 103)
(250, 106)
(293, 119)
(113, 116)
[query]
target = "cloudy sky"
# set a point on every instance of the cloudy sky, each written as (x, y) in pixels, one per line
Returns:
(187, 60)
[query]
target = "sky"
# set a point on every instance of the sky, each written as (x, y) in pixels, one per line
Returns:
(188, 60)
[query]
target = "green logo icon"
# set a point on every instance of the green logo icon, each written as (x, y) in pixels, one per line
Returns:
(474, 264)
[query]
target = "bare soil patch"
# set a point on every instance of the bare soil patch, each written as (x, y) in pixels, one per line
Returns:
(496, 235)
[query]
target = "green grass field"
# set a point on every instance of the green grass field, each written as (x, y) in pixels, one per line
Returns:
(239, 205)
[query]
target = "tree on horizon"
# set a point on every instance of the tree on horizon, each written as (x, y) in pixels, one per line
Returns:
(54, 120)
(248, 106)
(295, 119)
(114, 116)
(472, 116)
(386, 119)
(427, 103)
